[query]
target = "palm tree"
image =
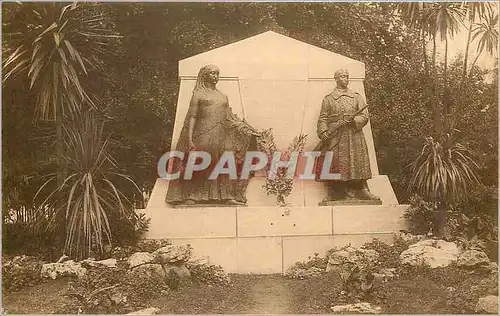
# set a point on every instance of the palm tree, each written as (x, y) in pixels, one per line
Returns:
(445, 18)
(487, 33)
(431, 19)
(55, 45)
(444, 171)
(412, 14)
(89, 196)
(475, 11)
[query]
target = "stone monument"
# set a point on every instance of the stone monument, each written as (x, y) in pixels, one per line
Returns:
(274, 81)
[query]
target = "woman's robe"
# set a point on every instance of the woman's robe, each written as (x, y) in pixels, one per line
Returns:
(216, 130)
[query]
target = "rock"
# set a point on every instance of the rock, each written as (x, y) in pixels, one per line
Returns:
(435, 253)
(173, 254)
(180, 271)
(358, 308)
(487, 304)
(492, 267)
(62, 259)
(407, 238)
(361, 257)
(19, 261)
(110, 263)
(385, 274)
(146, 311)
(198, 261)
(148, 271)
(67, 268)
(140, 258)
(471, 258)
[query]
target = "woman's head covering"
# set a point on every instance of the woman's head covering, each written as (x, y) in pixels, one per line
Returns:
(201, 81)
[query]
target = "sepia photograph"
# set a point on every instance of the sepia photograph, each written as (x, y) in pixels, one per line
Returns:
(261, 157)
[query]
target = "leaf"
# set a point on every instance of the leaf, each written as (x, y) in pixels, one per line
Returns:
(50, 28)
(57, 38)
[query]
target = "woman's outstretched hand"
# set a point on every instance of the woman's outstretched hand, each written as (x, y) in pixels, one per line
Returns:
(191, 146)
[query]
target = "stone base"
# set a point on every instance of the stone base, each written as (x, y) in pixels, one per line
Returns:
(205, 205)
(268, 240)
(350, 202)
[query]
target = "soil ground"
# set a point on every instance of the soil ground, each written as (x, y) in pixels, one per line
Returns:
(439, 292)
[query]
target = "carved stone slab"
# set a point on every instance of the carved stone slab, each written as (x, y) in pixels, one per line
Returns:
(350, 202)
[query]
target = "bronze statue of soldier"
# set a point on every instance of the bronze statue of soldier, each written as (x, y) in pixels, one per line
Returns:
(340, 128)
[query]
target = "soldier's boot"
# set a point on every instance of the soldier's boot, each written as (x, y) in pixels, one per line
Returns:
(364, 193)
(351, 193)
(336, 191)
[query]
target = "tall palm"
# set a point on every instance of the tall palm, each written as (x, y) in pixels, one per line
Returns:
(475, 11)
(416, 15)
(412, 14)
(89, 196)
(55, 45)
(445, 18)
(487, 33)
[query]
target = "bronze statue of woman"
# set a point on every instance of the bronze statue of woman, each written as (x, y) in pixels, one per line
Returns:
(210, 126)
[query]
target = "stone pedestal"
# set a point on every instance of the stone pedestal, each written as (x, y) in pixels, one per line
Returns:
(271, 239)
(350, 202)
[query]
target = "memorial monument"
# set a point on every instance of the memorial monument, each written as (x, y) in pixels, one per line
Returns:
(273, 81)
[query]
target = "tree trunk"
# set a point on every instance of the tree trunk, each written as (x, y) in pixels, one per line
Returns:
(466, 57)
(442, 211)
(463, 77)
(59, 150)
(424, 51)
(473, 64)
(446, 96)
(434, 103)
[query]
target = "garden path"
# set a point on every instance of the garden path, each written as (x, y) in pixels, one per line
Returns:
(271, 295)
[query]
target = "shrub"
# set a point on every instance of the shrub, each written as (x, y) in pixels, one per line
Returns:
(357, 281)
(111, 291)
(476, 214)
(422, 216)
(23, 238)
(388, 254)
(20, 272)
(121, 252)
(315, 266)
(209, 274)
(473, 221)
(129, 230)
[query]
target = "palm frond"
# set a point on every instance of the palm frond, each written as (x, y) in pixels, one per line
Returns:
(90, 193)
(450, 165)
(56, 46)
